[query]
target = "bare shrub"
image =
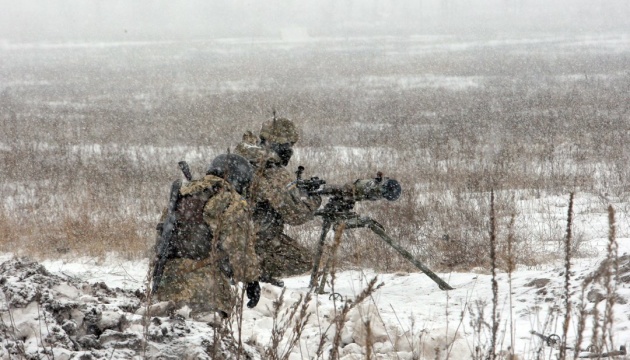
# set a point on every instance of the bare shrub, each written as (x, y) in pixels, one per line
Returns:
(287, 326)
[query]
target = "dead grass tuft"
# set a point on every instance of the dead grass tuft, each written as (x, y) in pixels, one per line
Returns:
(93, 156)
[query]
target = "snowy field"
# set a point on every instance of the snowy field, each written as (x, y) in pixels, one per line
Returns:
(409, 317)
(92, 132)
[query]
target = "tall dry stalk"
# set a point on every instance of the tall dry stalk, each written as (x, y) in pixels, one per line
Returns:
(495, 285)
(368, 340)
(611, 272)
(289, 323)
(567, 277)
(606, 274)
(340, 319)
(510, 268)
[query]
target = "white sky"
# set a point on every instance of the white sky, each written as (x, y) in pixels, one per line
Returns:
(85, 20)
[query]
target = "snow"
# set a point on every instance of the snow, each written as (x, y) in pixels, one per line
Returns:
(418, 82)
(409, 317)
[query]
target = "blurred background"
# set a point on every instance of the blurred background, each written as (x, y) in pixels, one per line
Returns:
(99, 100)
(120, 20)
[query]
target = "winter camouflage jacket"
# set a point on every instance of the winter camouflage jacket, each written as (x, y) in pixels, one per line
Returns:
(198, 281)
(273, 190)
(277, 201)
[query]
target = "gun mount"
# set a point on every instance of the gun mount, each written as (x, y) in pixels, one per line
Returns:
(339, 210)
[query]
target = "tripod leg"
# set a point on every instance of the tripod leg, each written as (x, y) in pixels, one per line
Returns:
(322, 281)
(331, 258)
(378, 230)
(318, 255)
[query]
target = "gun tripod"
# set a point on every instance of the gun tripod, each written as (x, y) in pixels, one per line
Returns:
(338, 216)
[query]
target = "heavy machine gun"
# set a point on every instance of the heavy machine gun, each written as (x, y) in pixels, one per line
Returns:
(310, 185)
(339, 210)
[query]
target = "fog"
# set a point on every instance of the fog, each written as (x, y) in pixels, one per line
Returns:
(121, 20)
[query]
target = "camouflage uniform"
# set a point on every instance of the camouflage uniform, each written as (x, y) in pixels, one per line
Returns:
(278, 201)
(198, 281)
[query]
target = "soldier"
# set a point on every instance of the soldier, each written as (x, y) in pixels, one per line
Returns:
(277, 200)
(212, 243)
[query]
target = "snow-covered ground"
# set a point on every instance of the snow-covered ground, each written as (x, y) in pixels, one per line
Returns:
(89, 306)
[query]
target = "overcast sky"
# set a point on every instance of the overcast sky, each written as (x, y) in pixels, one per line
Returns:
(102, 20)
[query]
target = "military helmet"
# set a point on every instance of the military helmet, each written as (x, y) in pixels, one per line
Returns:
(279, 131)
(235, 169)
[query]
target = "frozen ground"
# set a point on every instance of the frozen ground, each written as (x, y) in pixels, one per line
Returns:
(87, 306)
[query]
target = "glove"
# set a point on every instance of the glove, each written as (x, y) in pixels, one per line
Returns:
(253, 293)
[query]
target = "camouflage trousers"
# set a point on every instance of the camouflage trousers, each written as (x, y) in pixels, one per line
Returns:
(205, 289)
(281, 256)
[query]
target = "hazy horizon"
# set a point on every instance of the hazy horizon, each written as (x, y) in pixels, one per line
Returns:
(124, 20)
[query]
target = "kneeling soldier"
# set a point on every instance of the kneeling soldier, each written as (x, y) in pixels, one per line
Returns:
(212, 243)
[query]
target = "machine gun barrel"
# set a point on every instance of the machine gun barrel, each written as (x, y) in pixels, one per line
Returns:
(364, 189)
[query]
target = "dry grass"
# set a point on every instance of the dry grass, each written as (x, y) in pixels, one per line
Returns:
(88, 151)
(77, 236)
